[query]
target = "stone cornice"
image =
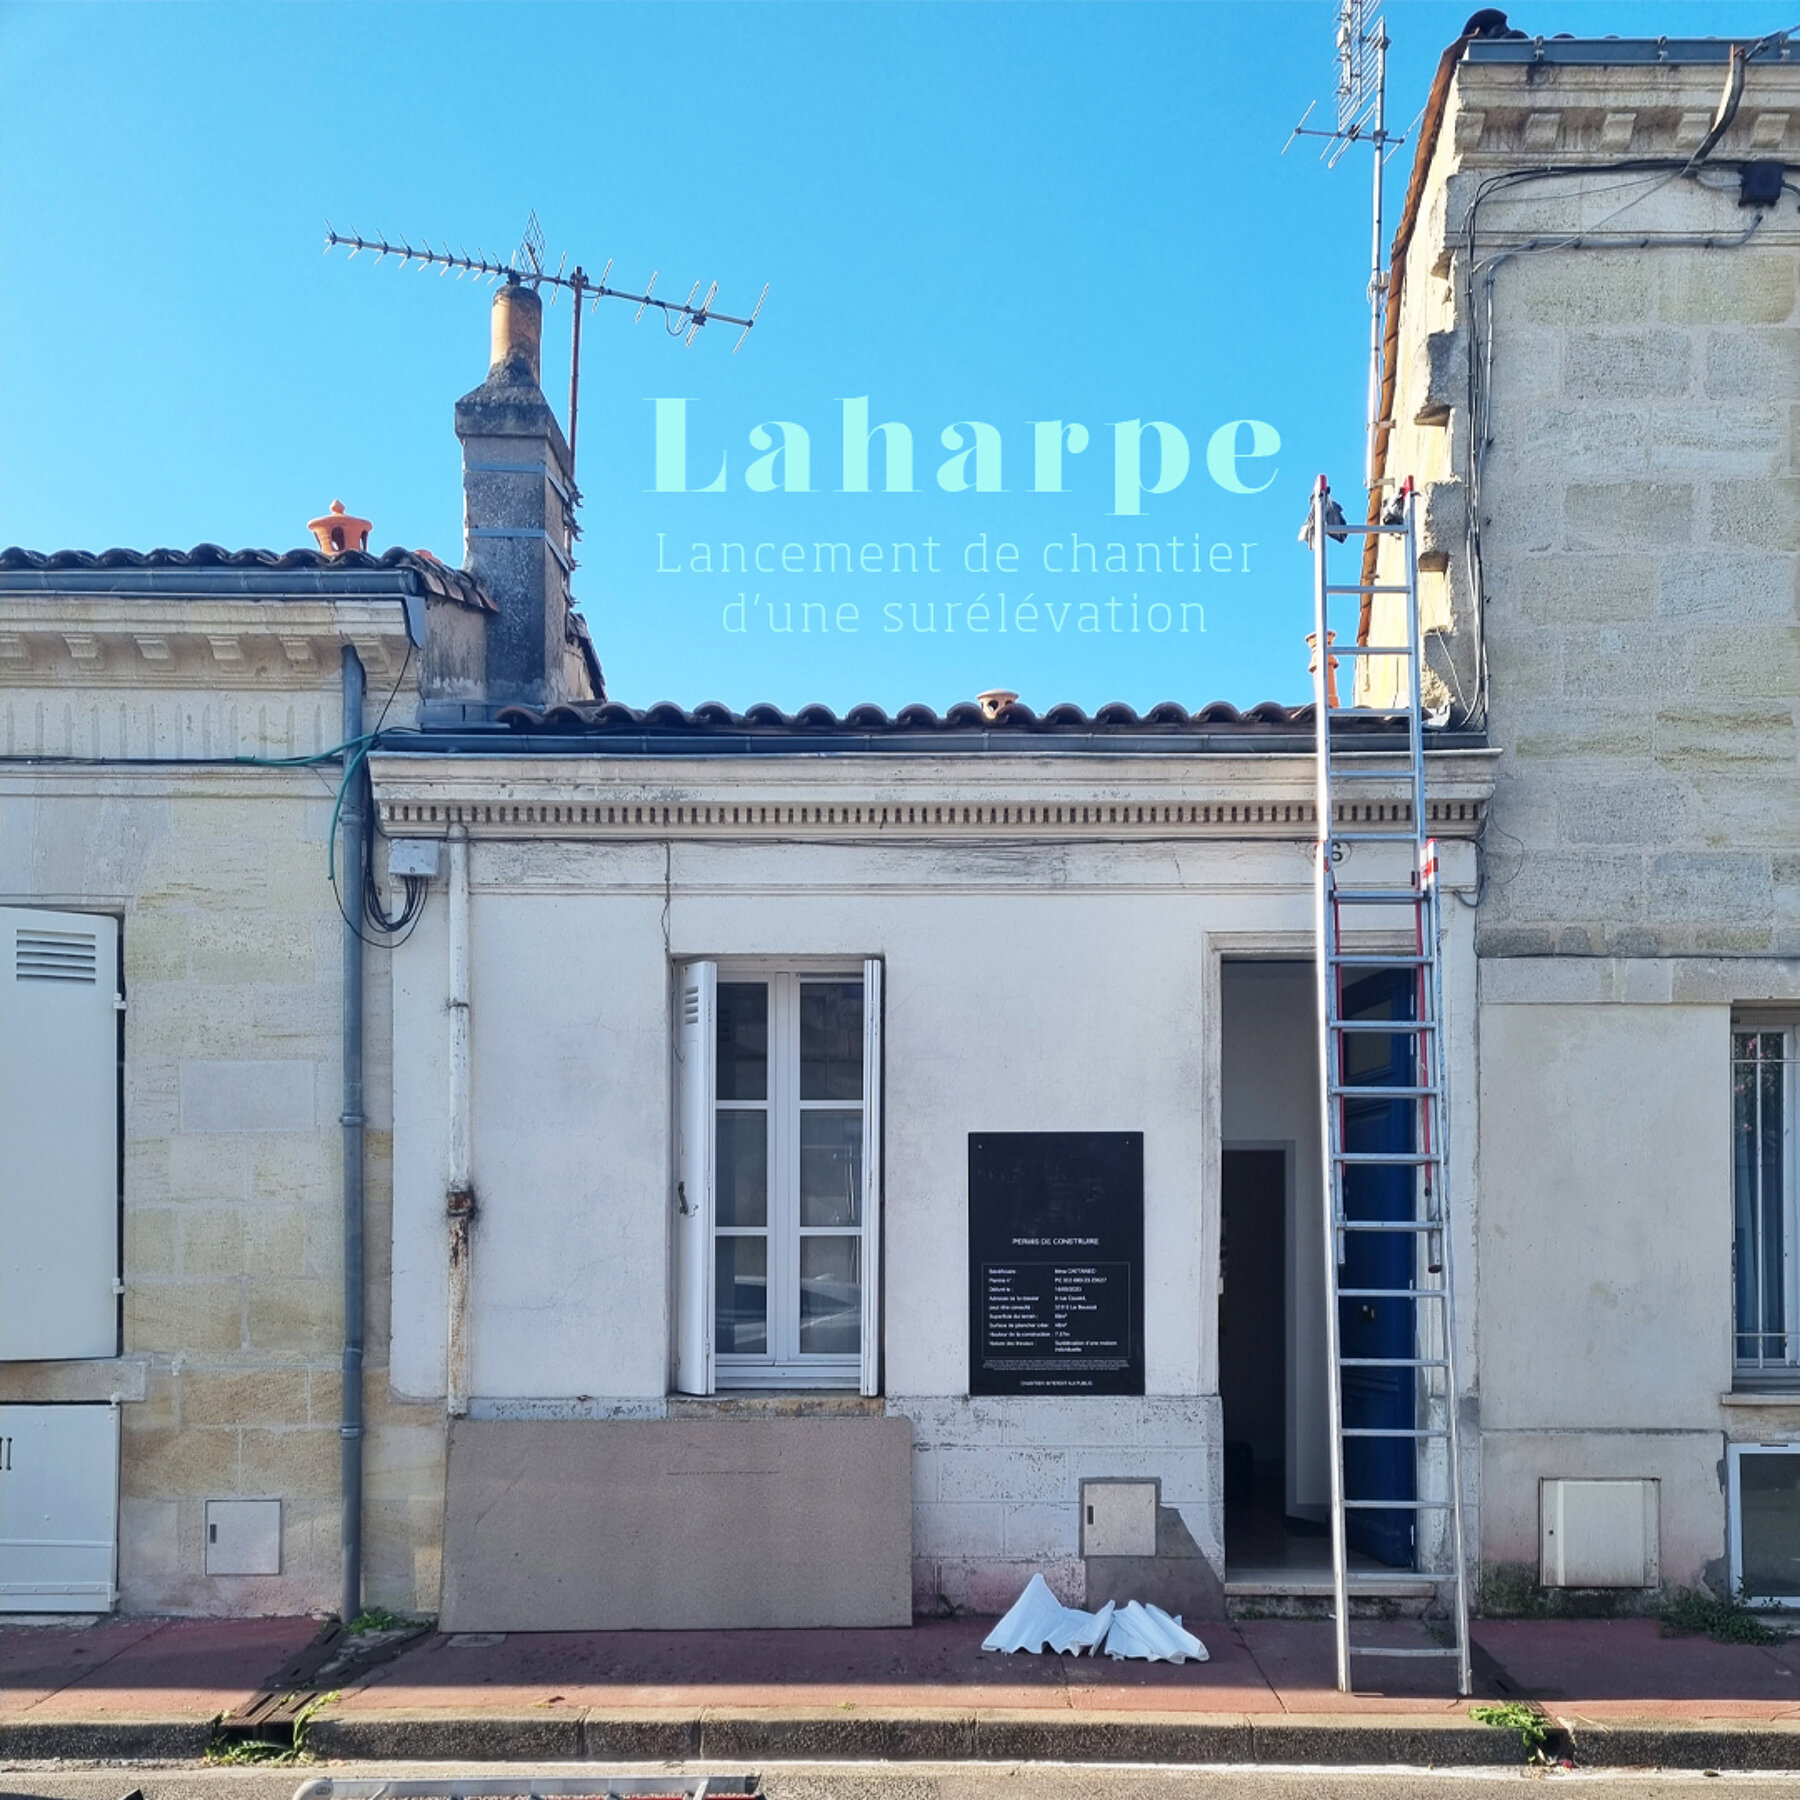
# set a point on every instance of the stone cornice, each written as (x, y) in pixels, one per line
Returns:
(912, 799)
(1515, 114)
(107, 641)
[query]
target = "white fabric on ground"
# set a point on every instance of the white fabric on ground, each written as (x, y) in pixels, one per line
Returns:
(1148, 1632)
(1038, 1621)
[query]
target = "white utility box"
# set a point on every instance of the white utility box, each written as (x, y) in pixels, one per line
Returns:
(1118, 1518)
(59, 1508)
(413, 856)
(1598, 1534)
(243, 1537)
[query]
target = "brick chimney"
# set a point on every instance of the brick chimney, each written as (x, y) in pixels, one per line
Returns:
(516, 497)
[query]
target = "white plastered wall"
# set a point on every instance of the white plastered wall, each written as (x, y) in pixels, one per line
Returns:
(1605, 1258)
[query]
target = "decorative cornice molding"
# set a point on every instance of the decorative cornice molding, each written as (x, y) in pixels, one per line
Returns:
(1262, 797)
(66, 640)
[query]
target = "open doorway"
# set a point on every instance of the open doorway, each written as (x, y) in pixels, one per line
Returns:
(1253, 1333)
(1272, 1354)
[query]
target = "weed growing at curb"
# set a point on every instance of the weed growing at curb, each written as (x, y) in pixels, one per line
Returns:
(1692, 1610)
(1518, 1716)
(227, 1752)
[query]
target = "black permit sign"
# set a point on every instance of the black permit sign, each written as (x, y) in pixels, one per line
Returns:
(1056, 1262)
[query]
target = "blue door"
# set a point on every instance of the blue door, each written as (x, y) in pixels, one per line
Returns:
(1379, 1468)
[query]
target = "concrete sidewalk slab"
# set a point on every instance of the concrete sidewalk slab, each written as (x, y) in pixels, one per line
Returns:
(188, 1669)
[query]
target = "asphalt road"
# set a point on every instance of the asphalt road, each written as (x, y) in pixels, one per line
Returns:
(937, 1781)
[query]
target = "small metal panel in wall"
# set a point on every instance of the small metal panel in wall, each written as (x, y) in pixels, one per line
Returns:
(1598, 1534)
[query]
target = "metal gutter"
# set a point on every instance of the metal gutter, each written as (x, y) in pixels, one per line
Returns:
(1577, 52)
(505, 742)
(214, 583)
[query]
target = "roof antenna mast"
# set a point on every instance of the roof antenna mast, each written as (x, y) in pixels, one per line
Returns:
(1362, 46)
(528, 266)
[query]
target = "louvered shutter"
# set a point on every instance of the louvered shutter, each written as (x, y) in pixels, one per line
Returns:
(871, 1162)
(696, 1039)
(59, 1135)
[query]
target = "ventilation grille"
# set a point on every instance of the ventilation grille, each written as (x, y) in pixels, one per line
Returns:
(690, 1005)
(57, 956)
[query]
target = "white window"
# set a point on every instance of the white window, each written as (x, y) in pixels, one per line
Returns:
(59, 1142)
(778, 1180)
(1766, 1244)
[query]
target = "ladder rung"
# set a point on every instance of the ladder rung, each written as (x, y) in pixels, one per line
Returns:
(1384, 1093)
(1387, 1224)
(1399, 1505)
(1371, 775)
(1391, 1159)
(1395, 1027)
(1374, 837)
(1371, 530)
(1374, 897)
(1398, 1650)
(1391, 1362)
(1349, 587)
(1390, 1293)
(1396, 713)
(1393, 1431)
(1376, 960)
(1372, 649)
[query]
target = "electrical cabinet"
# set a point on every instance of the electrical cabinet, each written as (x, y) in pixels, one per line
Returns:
(59, 1508)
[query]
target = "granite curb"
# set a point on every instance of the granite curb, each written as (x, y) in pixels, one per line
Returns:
(953, 1735)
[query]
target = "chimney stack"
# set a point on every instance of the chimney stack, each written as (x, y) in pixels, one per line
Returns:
(516, 501)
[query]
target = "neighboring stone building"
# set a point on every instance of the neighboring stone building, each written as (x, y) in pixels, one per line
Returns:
(1598, 280)
(844, 974)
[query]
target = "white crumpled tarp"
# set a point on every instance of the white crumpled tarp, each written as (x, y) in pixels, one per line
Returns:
(1038, 1621)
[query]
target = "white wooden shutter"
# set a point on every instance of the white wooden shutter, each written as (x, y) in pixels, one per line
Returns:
(59, 1135)
(696, 1049)
(871, 1162)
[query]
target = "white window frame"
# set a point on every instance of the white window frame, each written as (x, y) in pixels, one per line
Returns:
(1734, 1460)
(1763, 1369)
(699, 1367)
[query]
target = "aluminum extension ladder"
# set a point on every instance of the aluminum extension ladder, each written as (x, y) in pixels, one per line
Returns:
(1384, 1151)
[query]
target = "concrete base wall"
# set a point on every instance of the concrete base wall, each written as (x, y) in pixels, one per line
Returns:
(620, 1525)
(997, 1486)
(1689, 1466)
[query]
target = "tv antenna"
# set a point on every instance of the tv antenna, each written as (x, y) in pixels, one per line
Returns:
(1362, 46)
(529, 267)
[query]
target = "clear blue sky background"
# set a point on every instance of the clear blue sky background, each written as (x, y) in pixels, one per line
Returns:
(996, 212)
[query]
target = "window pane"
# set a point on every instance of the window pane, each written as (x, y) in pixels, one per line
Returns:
(741, 1296)
(831, 1168)
(1774, 1302)
(743, 1040)
(1746, 1213)
(743, 1171)
(831, 1040)
(830, 1296)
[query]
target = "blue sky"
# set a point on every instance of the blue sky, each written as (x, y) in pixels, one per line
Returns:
(995, 213)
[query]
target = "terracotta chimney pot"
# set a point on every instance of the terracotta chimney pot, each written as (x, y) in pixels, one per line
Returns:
(996, 703)
(339, 531)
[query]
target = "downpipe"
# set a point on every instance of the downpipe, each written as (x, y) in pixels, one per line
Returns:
(459, 1199)
(350, 1430)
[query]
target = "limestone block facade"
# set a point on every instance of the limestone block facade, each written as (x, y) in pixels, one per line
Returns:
(1596, 389)
(130, 721)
